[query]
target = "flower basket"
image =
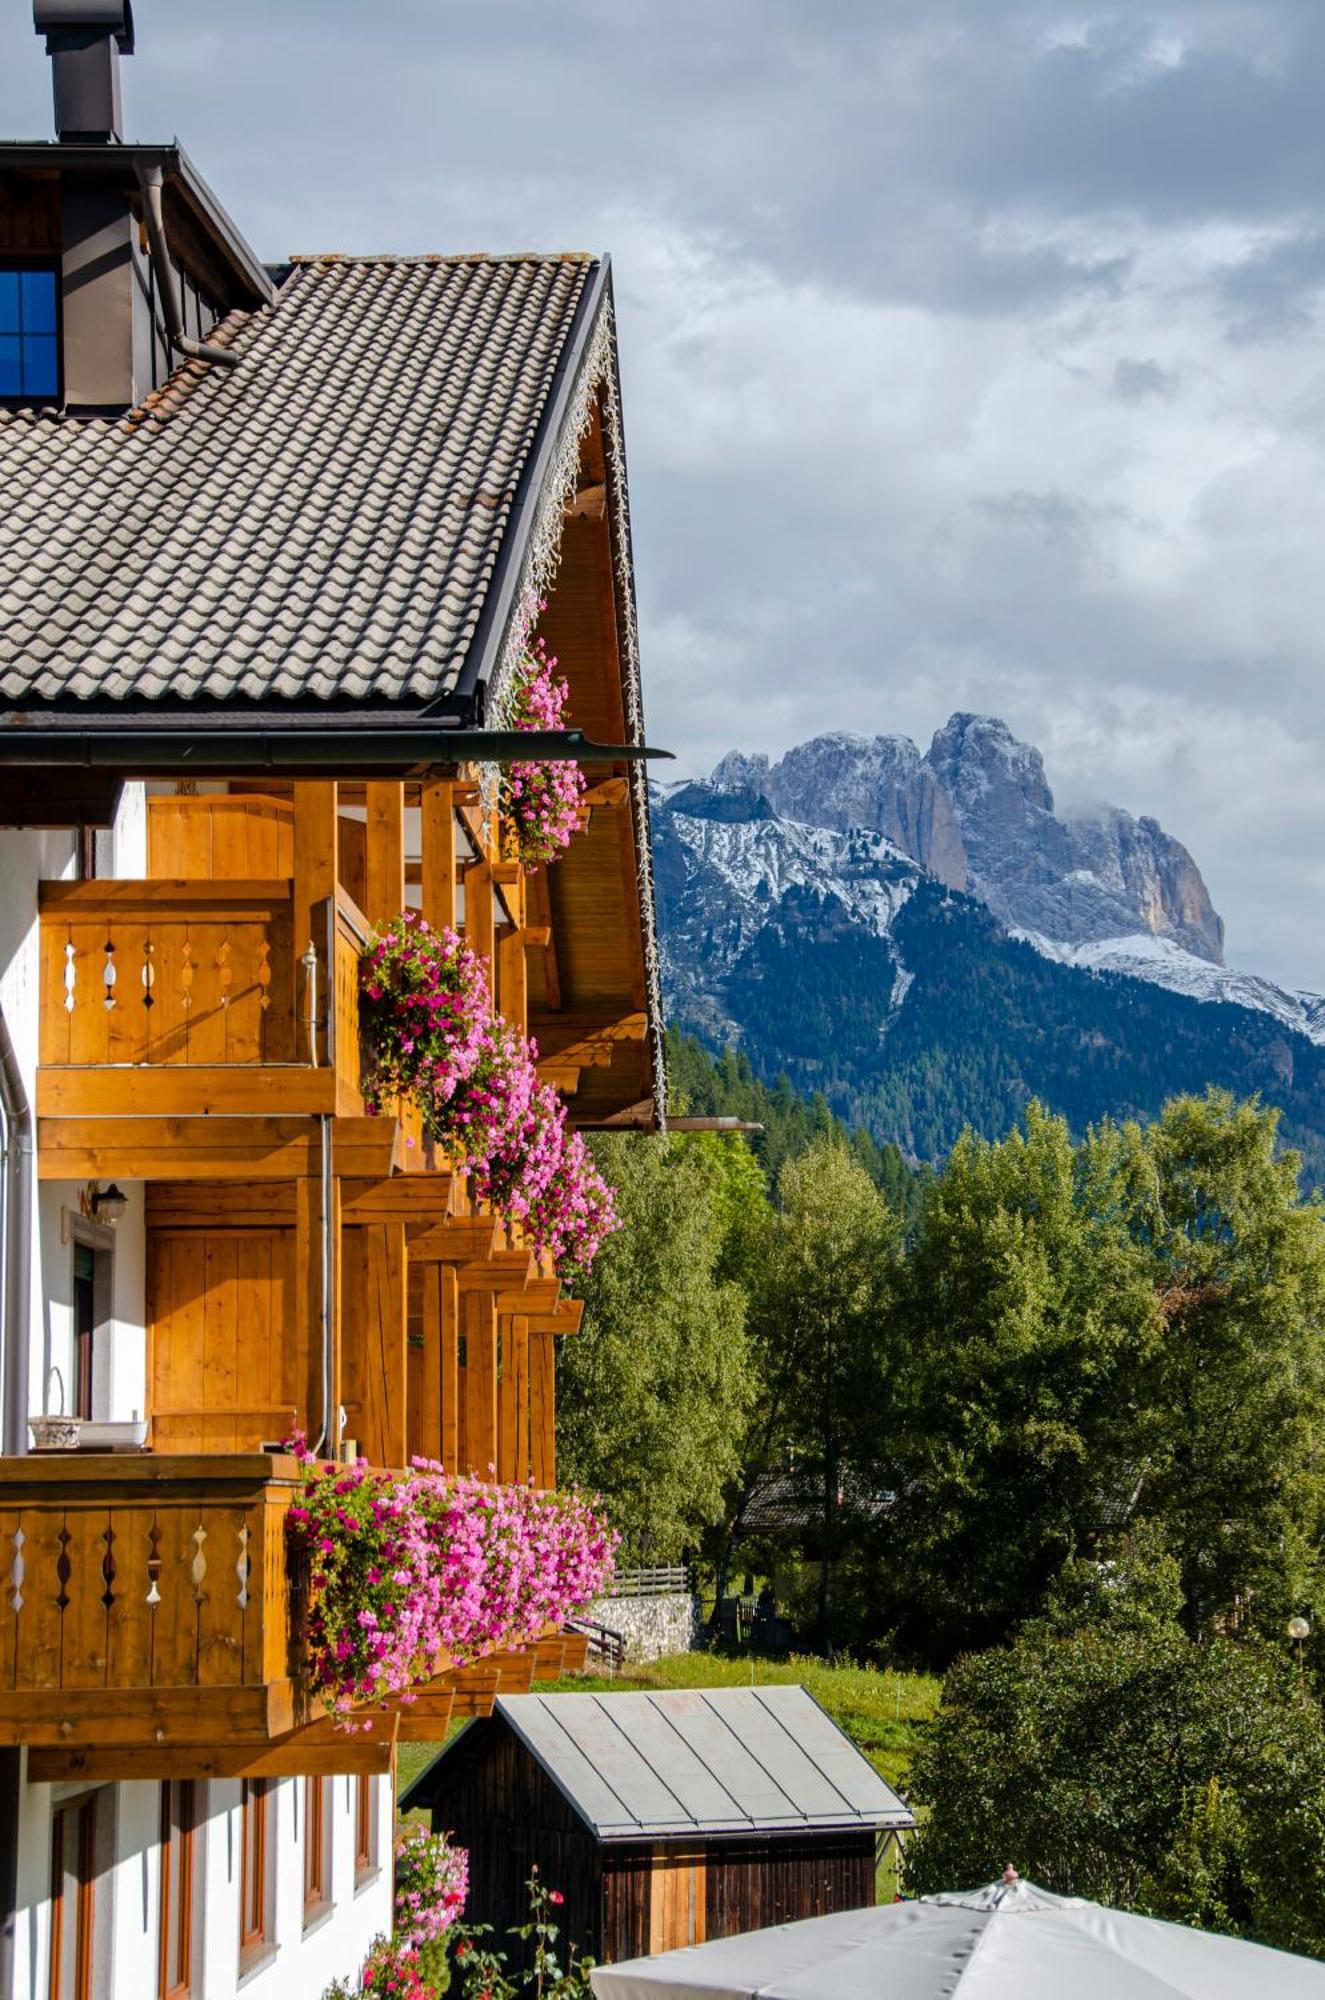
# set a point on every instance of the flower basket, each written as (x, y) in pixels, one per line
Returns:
(540, 803)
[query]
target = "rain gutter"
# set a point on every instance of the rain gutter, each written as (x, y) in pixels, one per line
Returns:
(328, 750)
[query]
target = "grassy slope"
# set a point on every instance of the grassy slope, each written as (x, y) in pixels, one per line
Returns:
(880, 1712)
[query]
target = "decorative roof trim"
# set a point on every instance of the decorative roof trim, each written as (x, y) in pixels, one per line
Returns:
(591, 382)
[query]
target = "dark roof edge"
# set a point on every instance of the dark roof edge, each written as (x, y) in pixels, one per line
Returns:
(499, 605)
(179, 171)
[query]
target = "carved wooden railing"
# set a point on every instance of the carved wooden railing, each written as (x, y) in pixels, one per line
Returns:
(147, 1601)
(172, 998)
(167, 973)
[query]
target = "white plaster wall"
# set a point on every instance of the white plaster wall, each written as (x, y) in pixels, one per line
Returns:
(128, 1895)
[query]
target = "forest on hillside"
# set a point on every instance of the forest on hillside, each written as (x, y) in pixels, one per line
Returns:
(987, 1026)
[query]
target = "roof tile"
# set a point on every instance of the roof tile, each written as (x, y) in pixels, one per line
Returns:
(323, 521)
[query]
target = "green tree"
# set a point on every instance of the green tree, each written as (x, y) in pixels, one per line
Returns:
(819, 1274)
(1025, 1312)
(1126, 1762)
(652, 1392)
(1236, 1386)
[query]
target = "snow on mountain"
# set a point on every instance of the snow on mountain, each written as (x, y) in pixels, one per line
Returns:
(1164, 963)
(851, 821)
(977, 812)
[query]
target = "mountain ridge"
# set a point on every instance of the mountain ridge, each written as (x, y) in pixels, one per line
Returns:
(831, 953)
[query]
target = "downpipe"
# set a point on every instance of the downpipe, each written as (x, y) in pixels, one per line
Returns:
(150, 181)
(327, 1439)
(16, 1196)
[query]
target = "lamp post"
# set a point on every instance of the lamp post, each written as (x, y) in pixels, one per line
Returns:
(1299, 1631)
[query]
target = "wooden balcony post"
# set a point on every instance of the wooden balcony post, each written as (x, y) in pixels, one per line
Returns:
(480, 1310)
(384, 895)
(478, 916)
(314, 882)
(449, 1301)
(437, 828)
(513, 1401)
(512, 972)
(543, 1409)
(373, 1344)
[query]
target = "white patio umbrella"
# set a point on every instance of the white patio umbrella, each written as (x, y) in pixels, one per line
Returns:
(1010, 1941)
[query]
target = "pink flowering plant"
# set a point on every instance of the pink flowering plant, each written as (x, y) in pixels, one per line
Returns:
(574, 1212)
(540, 803)
(426, 1015)
(406, 1569)
(432, 1882)
(430, 1034)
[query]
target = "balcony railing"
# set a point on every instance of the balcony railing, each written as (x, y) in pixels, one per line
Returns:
(147, 1601)
(184, 997)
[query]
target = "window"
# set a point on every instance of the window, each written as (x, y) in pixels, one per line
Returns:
(29, 340)
(254, 1897)
(73, 1862)
(317, 1892)
(179, 1817)
(365, 1829)
(85, 1327)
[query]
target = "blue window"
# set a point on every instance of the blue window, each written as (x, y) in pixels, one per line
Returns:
(29, 340)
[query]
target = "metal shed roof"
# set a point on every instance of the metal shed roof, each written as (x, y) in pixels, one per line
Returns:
(692, 1761)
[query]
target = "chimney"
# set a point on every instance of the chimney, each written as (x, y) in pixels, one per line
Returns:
(84, 39)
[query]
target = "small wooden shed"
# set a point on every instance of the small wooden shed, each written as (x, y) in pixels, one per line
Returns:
(664, 1818)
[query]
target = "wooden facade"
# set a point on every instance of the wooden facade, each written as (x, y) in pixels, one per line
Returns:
(198, 1032)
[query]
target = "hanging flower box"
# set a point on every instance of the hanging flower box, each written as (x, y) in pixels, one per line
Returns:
(409, 1572)
(540, 803)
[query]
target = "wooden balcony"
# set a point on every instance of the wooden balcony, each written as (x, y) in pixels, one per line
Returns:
(150, 1626)
(147, 1603)
(175, 998)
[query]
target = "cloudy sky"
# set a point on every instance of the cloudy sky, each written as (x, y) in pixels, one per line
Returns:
(973, 350)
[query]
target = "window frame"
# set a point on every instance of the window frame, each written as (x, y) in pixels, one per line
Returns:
(82, 1811)
(19, 263)
(365, 1830)
(178, 1863)
(316, 1832)
(255, 1940)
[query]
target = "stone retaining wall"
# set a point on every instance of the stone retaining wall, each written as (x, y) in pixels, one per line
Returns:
(651, 1626)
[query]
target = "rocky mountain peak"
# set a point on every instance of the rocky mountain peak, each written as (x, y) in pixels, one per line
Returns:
(977, 812)
(877, 783)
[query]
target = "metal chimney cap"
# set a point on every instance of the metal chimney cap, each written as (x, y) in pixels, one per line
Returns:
(85, 17)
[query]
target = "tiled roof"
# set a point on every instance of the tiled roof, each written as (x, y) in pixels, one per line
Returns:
(322, 522)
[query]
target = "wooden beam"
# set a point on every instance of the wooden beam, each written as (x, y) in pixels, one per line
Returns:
(115, 1718)
(505, 1270)
(540, 1295)
(186, 1090)
(513, 980)
(254, 1204)
(385, 866)
(449, 1299)
(564, 1077)
(319, 1749)
(438, 866)
(460, 1239)
(543, 1410)
(480, 1330)
(608, 792)
(210, 1149)
(565, 1317)
(479, 932)
(315, 877)
(589, 1043)
(418, 1199)
(539, 901)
